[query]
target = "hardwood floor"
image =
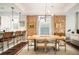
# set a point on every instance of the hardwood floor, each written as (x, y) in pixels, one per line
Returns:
(70, 51)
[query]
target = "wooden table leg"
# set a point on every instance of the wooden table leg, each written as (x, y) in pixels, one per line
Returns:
(2, 46)
(8, 44)
(45, 46)
(35, 45)
(28, 44)
(58, 44)
(55, 45)
(65, 46)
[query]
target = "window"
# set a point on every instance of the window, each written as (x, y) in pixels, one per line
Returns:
(44, 26)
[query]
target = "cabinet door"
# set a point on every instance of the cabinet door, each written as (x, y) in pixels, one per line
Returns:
(31, 25)
(59, 24)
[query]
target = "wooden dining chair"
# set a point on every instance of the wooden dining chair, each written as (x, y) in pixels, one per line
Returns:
(30, 42)
(51, 43)
(41, 44)
(62, 43)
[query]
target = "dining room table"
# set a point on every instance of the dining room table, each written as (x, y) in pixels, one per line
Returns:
(46, 38)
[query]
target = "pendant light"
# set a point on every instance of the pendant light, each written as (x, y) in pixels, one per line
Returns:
(45, 11)
(12, 13)
(19, 16)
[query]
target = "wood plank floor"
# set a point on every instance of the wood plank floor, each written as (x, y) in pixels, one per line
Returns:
(70, 51)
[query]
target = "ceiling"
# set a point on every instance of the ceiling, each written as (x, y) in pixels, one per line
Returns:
(37, 8)
(5, 8)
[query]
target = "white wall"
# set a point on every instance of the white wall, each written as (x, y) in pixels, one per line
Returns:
(71, 19)
(71, 22)
(23, 19)
(5, 23)
(77, 20)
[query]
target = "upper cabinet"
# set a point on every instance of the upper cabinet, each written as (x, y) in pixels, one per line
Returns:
(59, 24)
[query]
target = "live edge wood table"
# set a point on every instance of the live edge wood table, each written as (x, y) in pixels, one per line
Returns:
(57, 38)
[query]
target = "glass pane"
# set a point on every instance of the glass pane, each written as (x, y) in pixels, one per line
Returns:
(44, 31)
(44, 26)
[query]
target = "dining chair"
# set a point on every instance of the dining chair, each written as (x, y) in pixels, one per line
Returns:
(41, 44)
(30, 42)
(62, 43)
(51, 43)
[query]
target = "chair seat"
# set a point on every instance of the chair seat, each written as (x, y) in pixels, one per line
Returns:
(42, 44)
(50, 44)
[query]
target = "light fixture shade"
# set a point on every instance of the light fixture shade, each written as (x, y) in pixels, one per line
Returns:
(19, 16)
(12, 13)
(45, 11)
(12, 7)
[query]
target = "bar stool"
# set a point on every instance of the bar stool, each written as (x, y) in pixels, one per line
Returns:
(17, 35)
(7, 37)
(20, 35)
(24, 33)
(14, 38)
(1, 43)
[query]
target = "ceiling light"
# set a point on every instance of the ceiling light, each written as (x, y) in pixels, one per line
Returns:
(19, 16)
(45, 11)
(12, 13)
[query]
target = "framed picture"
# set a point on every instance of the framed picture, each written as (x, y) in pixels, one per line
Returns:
(31, 26)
